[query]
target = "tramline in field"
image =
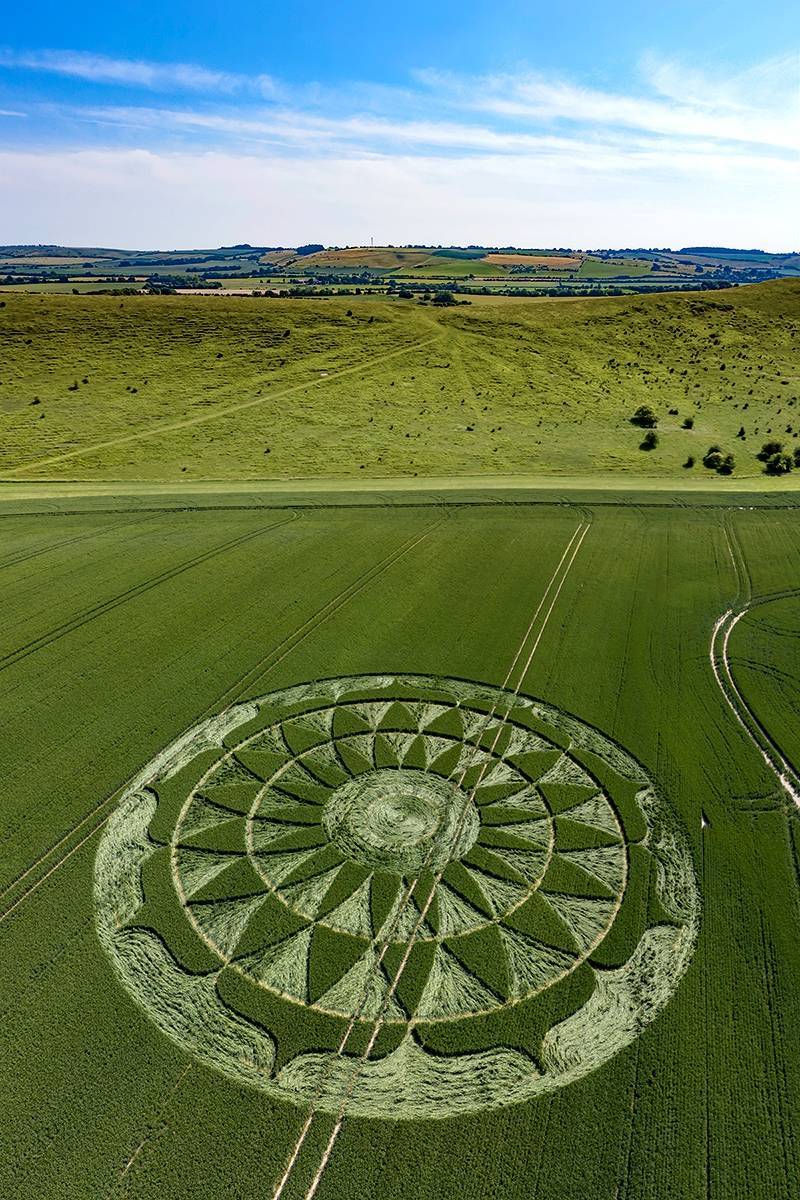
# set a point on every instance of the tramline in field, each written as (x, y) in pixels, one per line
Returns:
(380, 880)
(369, 854)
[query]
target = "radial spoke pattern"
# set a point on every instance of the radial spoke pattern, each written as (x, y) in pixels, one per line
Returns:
(402, 855)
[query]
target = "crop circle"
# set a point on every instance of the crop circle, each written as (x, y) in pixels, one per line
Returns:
(431, 895)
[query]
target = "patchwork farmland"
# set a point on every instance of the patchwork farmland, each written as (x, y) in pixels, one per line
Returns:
(410, 843)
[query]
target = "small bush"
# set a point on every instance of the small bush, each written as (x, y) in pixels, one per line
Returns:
(769, 450)
(689, 462)
(688, 423)
(778, 464)
(644, 417)
(650, 441)
(712, 459)
(727, 466)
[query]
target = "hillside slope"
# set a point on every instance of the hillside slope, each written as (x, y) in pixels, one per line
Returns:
(237, 388)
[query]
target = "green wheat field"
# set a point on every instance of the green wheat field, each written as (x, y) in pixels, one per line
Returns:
(400, 766)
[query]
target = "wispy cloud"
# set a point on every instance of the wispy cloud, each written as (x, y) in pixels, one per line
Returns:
(98, 68)
(677, 156)
(10, 112)
(685, 104)
(375, 136)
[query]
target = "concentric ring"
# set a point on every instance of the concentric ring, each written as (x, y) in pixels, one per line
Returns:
(460, 871)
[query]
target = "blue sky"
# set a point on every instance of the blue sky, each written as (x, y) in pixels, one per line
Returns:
(582, 124)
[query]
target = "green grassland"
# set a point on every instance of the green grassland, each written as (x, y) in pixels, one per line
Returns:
(191, 388)
(127, 620)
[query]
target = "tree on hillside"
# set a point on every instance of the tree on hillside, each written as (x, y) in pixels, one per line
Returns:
(650, 440)
(778, 464)
(769, 450)
(644, 417)
(444, 298)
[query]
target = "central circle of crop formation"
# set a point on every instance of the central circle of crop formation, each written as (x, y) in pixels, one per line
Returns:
(419, 895)
(401, 820)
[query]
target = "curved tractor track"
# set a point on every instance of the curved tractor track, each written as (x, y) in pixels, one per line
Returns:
(786, 773)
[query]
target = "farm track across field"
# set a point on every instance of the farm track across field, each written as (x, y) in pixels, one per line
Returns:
(233, 692)
(148, 1137)
(15, 560)
(98, 1100)
(556, 581)
(131, 593)
(786, 772)
(161, 428)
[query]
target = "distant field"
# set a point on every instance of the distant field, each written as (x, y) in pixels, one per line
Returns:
(74, 285)
(229, 388)
(227, 970)
(378, 258)
(559, 262)
(439, 266)
(462, 268)
(592, 268)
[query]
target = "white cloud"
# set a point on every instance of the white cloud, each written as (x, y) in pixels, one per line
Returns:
(362, 135)
(519, 158)
(9, 112)
(131, 198)
(771, 86)
(98, 68)
(536, 98)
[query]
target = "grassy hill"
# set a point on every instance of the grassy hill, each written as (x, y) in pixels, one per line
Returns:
(177, 387)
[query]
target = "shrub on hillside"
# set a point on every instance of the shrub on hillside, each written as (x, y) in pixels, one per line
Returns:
(688, 422)
(778, 464)
(650, 441)
(712, 459)
(769, 450)
(644, 417)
